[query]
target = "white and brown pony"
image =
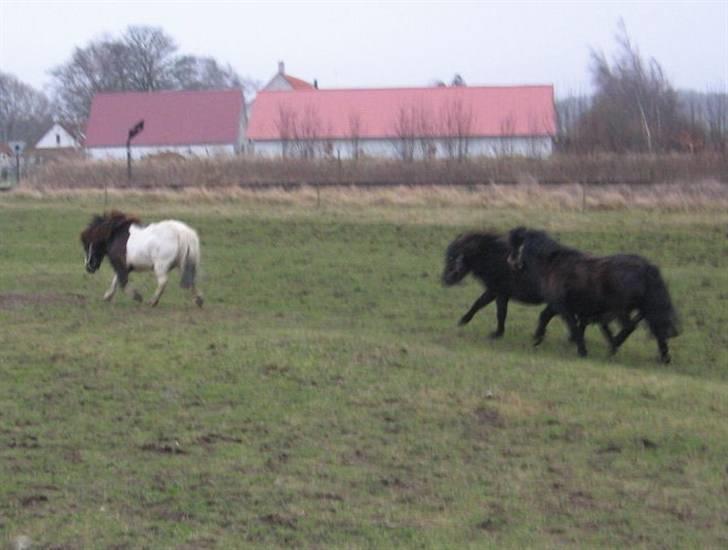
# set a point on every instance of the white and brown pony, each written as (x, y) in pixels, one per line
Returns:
(131, 246)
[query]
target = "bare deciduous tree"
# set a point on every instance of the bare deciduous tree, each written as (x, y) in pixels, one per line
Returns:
(405, 133)
(142, 59)
(635, 108)
(425, 131)
(456, 126)
(286, 126)
(307, 133)
(150, 58)
(24, 111)
(355, 131)
(505, 147)
(716, 114)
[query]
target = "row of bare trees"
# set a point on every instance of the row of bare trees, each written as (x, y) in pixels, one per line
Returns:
(141, 59)
(416, 132)
(635, 109)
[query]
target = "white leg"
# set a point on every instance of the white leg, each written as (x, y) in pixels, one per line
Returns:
(112, 289)
(162, 279)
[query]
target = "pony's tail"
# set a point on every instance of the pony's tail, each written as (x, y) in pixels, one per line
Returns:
(190, 263)
(658, 309)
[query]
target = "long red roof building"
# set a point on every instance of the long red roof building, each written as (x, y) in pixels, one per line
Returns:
(493, 111)
(171, 118)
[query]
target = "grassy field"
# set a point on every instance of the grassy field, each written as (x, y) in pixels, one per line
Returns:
(324, 395)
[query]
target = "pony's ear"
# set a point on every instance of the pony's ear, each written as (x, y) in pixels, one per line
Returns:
(516, 236)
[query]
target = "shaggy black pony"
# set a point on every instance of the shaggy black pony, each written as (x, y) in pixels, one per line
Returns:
(485, 255)
(587, 289)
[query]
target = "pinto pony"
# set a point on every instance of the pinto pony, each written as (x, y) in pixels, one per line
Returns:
(131, 246)
(587, 289)
(485, 254)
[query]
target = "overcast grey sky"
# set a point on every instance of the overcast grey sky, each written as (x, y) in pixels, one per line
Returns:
(348, 44)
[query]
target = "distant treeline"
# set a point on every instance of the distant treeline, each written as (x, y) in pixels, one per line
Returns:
(633, 108)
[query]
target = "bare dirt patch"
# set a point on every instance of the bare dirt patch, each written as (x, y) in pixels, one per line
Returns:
(20, 300)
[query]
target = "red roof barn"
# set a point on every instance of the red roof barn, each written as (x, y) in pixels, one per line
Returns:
(405, 122)
(186, 122)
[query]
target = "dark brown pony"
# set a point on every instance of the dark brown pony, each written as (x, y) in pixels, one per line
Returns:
(485, 254)
(587, 289)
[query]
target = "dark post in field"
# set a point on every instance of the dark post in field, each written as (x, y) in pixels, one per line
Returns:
(17, 149)
(133, 131)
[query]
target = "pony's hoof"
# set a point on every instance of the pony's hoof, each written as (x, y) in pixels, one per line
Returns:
(108, 297)
(463, 321)
(137, 297)
(199, 301)
(495, 335)
(665, 359)
(153, 303)
(537, 339)
(582, 353)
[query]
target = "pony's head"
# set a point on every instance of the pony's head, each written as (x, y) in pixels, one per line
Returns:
(460, 254)
(529, 244)
(95, 238)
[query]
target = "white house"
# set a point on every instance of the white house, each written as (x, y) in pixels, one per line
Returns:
(282, 82)
(58, 136)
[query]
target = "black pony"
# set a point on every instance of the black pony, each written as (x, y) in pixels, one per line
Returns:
(587, 289)
(485, 255)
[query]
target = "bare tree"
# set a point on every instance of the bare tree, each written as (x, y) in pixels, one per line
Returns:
(716, 114)
(24, 111)
(307, 133)
(142, 59)
(569, 111)
(405, 132)
(456, 126)
(355, 131)
(204, 73)
(635, 108)
(505, 147)
(101, 66)
(425, 131)
(286, 125)
(150, 59)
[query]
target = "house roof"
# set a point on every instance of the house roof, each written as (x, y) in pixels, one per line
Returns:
(170, 118)
(297, 83)
(488, 111)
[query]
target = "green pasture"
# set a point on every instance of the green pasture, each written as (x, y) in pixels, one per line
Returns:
(324, 396)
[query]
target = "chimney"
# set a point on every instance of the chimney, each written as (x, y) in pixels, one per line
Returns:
(281, 68)
(315, 83)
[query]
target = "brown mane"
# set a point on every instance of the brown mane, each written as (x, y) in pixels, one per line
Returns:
(102, 227)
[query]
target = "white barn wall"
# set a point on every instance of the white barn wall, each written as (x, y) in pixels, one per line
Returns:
(137, 152)
(538, 147)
